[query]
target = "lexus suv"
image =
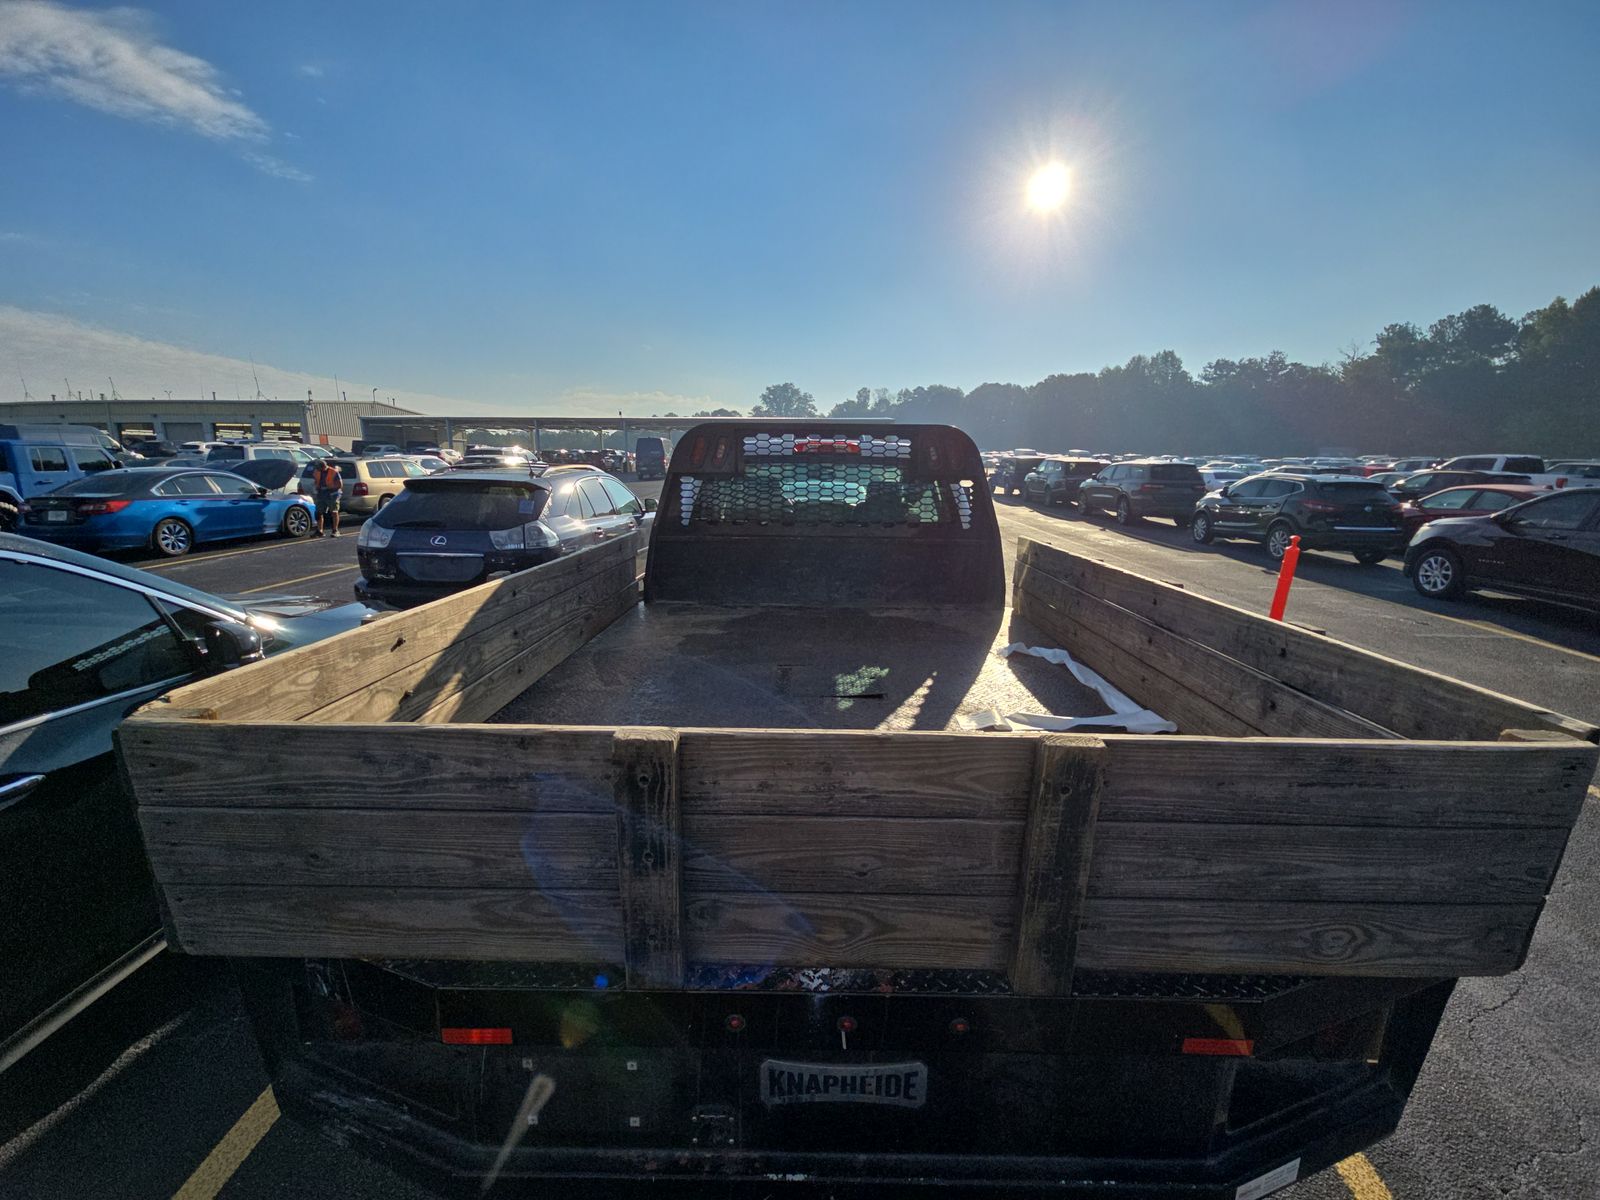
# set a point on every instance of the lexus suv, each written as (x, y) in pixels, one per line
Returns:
(448, 532)
(1548, 548)
(1145, 488)
(1358, 515)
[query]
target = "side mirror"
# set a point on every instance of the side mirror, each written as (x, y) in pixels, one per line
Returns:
(230, 644)
(263, 493)
(1226, 489)
(651, 504)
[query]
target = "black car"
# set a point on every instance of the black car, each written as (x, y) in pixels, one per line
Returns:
(1143, 488)
(1358, 515)
(1012, 471)
(84, 642)
(1426, 483)
(447, 532)
(1547, 548)
(1056, 480)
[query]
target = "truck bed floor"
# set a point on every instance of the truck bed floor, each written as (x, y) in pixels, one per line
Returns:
(692, 665)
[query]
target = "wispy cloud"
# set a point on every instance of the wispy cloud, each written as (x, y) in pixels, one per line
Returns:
(276, 167)
(312, 70)
(112, 60)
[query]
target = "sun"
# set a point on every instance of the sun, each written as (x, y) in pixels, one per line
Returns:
(1048, 187)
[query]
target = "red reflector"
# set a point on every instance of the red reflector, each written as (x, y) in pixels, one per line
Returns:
(720, 454)
(697, 456)
(475, 1037)
(1243, 1048)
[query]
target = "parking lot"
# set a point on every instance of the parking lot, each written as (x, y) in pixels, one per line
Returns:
(157, 1091)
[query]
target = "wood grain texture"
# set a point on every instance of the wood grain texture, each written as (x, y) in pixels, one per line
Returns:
(804, 772)
(290, 685)
(1259, 699)
(393, 847)
(1414, 940)
(361, 922)
(1349, 862)
(1410, 700)
(459, 767)
(861, 856)
(887, 931)
(1313, 782)
(1062, 813)
(649, 855)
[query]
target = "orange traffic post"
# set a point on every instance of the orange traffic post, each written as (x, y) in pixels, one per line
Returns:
(1280, 598)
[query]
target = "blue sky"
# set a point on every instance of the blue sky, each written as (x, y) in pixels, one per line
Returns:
(654, 206)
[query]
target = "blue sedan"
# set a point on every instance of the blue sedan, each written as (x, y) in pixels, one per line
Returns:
(166, 509)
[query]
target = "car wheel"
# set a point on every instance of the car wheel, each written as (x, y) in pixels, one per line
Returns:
(296, 522)
(172, 537)
(8, 515)
(1368, 557)
(1438, 574)
(1278, 540)
(1124, 513)
(383, 500)
(1200, 529)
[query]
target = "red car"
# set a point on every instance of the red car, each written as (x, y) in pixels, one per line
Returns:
(1473, 500)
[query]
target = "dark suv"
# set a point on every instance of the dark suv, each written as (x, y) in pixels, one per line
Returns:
(1548, 548)
(1010, 473)
(1426, 483)
(1056, 480)
(650, 457)
(1358, 515)
(1145, 488)
(448, 532)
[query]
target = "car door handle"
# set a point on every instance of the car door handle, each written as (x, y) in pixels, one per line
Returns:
(16, 788)
(1555, 537)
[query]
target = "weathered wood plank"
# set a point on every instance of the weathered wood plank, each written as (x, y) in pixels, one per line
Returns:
(491, 691)
(461, 767)
(1055, 863)
(728, 772)
(392, 847)
(1256, 697)
(863, 856)
(1410, 700)
(1355, 863)
(1313, 782)
(1287, 938)
(649, 855)
(469, 667)
(1191, 711)
(359, 922)
(289, 685)
(829, 930)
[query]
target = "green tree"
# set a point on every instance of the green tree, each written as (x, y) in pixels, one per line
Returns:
(785, 400)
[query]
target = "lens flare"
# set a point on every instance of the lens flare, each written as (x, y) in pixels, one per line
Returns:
(1049, 187)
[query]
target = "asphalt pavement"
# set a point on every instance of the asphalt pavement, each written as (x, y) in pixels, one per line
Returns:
(158, 1091)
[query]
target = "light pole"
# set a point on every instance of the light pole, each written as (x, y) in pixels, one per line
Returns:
(374, 397)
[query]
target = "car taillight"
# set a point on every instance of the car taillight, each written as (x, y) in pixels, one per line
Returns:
(1149, 487)
(95, 508)
(360, 489)
(475, 1036)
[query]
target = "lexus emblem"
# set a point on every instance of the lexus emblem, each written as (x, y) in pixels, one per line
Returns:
(440, 539)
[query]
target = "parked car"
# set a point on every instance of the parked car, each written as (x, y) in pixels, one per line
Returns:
(1474, 500)
(1547, 548)
(170, 511)
(83, 642)
(377, 449)
(369, 483)
(650, 456)
(1327, 513)
(1574, 471)
(1056, 479)
(1143, 488)
(1012, 472)
(1530, 465)
(1387, 478)
(1425, 483)
(236, 452)
(33, 461)
(445, 533)
(152, 448)
(430, 463)
(1222, 476)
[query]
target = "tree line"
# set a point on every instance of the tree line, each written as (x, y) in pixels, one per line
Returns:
(1471, 381)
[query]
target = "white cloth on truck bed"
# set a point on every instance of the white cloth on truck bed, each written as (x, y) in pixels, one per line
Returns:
(1126, 713)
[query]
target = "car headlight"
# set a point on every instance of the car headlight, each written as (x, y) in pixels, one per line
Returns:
(535, 535)
(373, 536)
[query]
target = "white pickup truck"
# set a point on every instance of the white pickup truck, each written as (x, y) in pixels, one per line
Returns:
(1530, 465)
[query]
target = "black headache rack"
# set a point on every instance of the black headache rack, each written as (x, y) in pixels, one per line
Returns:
(815, 512)
(848, 1082)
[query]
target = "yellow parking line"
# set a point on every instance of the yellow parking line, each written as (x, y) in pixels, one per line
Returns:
(268, 587)
(227, 1155)
(196, 560)
(1362, 1178)
(1521, 637)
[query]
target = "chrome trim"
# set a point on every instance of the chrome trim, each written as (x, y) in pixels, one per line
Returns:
(28, 1038)
(18, 790)
(159, 686)
(435, 554)
(144, 589)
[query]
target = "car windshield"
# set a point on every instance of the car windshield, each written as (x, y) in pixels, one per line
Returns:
(1174, 473)
(1352, 491)
(463, 506)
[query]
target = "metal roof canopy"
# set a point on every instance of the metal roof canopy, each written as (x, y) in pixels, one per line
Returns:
(388, 426)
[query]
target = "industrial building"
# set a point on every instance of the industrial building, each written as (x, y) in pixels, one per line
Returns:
(538, 433)
(335, 423)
